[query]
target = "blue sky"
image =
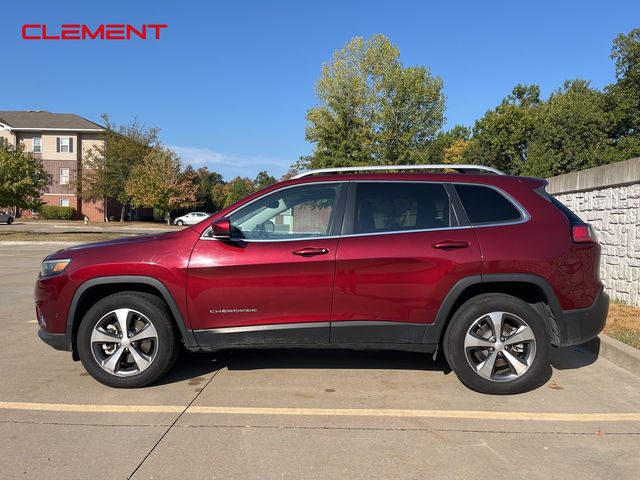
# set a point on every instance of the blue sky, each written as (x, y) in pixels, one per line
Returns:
(229, 83)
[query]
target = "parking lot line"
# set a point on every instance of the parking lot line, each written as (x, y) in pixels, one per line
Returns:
(330, 412)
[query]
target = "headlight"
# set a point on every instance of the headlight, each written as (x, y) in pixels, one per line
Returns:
(52, 267)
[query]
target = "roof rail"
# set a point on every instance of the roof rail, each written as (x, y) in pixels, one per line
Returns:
(459, 168)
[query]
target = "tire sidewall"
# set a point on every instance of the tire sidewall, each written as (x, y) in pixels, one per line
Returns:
(462, 320)
(157, 315)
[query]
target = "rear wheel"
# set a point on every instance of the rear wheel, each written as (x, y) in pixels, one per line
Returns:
(498, 344)
(9, 221)
(127, 340)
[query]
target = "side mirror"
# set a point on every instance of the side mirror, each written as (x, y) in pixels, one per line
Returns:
(221, 229)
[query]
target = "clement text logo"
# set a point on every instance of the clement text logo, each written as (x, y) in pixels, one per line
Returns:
(80, 31)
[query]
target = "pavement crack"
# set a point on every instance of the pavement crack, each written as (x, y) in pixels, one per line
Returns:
(173, 424)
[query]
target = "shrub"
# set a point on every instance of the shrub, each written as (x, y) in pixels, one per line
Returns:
(53, 212)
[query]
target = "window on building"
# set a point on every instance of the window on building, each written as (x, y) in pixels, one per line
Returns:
(64, 145)
(64, 202)
(37, 145)
(64, 176)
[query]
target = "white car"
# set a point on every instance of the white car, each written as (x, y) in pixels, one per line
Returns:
(6, 217)
(191, 218)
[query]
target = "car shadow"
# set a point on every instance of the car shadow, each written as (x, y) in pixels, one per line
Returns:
(577, 356)
(191, 365)
(332, 358)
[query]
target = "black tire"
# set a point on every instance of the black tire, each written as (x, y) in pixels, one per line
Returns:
(180, 223)
(505, 380)
(163, 350)
(9, 221)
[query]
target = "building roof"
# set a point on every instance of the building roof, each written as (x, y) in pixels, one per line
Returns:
(42, 120)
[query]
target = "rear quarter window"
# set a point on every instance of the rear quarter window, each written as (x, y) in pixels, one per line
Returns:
(486, 205)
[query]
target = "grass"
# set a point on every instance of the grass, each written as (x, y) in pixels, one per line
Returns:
(116, 224)
(623, 323)
(79, 237)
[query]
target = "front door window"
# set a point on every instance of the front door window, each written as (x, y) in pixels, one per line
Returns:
(289, 214)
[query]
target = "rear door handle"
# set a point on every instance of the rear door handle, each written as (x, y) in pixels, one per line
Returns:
(310, 252)
(450, 245)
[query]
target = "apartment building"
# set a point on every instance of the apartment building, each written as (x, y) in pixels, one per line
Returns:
(61, 140)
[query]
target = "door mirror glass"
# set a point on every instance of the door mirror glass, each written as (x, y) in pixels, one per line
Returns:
(221, 229)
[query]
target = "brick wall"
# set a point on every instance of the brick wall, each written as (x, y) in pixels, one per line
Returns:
(608, 198)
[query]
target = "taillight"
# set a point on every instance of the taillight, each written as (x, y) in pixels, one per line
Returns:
(583, 233)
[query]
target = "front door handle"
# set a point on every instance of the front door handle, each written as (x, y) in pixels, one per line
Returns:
(451, 245)
(310, 252)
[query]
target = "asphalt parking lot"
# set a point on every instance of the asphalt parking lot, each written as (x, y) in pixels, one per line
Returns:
(300, 414)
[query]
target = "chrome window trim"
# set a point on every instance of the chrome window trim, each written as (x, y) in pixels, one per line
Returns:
(525, 217)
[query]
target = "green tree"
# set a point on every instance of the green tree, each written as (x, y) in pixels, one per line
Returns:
(204, 179)
(571, 132)
(157, 182)
(22, 178)
(623, 97)
(435, 152)
(263, 179)
(218, 196)
(226, 194)
(501, 137)
(108, 166)
(372, 109)
(237, 189)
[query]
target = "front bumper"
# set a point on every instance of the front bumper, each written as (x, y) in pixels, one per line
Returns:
(59, 341)
(583, 324)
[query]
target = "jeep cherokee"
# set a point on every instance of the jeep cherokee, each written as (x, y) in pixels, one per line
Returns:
(485, 266)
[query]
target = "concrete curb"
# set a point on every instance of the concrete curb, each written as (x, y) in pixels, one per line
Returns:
(619, 353)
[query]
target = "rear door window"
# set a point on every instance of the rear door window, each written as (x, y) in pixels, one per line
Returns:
(394, 207)
(486, 205)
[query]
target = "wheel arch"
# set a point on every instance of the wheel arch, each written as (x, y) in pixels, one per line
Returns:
(532, 289)
(98, 288)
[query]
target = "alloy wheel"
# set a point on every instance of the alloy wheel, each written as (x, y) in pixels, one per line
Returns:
(124, 342)
(500, 346)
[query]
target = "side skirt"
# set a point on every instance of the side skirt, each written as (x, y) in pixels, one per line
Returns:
(405, 347)
(358, 335)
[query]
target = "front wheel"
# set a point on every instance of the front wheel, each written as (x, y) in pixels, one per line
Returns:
(9, 221)
(498, 344)
(127, 340)
(180, 223)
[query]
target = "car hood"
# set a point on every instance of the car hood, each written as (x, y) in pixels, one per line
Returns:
(118, 242)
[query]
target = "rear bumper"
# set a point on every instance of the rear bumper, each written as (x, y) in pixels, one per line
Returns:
(59, 341)
(583, 324)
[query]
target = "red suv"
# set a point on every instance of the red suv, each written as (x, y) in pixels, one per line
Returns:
(485, 266)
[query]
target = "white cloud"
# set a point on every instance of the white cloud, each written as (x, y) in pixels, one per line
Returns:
(230, 165)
